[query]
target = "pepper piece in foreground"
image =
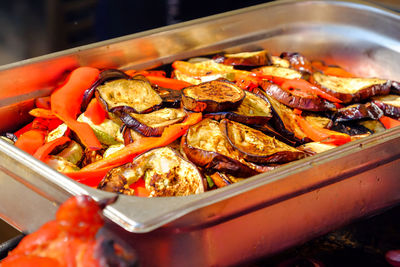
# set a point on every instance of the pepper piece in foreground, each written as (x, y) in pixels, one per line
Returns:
(66, 104)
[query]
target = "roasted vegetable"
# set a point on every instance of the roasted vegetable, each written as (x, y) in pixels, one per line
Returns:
(135, 95)
(253, 110)
(358, 111)
(165, 173)
(66, 104)
(108, 132)
(70, 240)
(351, 90)
(258, 58)
(389, 104)
(297, 98)
(284, 121)
(313, 148)
(373, 126)
(170, 98)
(104, 76)
(153, 124)
(212, 96)
(205, 145)
(279, 72)
(298, 62)
(257, 147)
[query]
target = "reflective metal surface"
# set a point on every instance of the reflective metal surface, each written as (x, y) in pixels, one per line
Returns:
(263, 214)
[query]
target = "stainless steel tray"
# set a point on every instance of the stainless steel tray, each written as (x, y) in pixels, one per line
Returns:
(254, 218)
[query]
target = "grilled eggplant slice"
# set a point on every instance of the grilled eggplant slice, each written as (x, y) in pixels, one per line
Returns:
(257, 147)
(135, 95)
(359, 111)
(214, 96)
(351, 128)
(104, 76)
(298, 62)
(170, 98)
(351, 89)
(205, 145)
(279, 72)
(153, 124)
(165, 172)
(389, 104)
(130, 135)
(253, 110)
(284, 121)
(293, 99)
(258, 58)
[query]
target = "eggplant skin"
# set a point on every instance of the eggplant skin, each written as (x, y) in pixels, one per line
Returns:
(389, 104)
(154, 123)
(214, 96)
(284, 121)
(257, 147)
(253, 59)
(298, 62)
(253, 110)
(350, 90)
(289, 99)
(104, 76)
(368, 110)
(205, 145)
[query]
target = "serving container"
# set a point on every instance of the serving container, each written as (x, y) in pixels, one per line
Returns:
(263, 214)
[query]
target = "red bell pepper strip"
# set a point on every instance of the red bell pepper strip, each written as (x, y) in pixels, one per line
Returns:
(42, 113)
(43, 152)
(388, 122)
(158, 73)
(90, 178)
(43, 102)
(95, 112)
(168, 82)
(31, 140)
(302, 85)
(66, 104)
(322, 135)
(140, 188)
(336, 71)
(23, 129)
(170, 134)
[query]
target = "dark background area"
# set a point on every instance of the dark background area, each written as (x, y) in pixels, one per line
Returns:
(33, 28)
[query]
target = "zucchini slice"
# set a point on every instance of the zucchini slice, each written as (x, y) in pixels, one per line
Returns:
(280, 72)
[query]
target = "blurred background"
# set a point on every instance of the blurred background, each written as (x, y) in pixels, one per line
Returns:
(34, 28)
